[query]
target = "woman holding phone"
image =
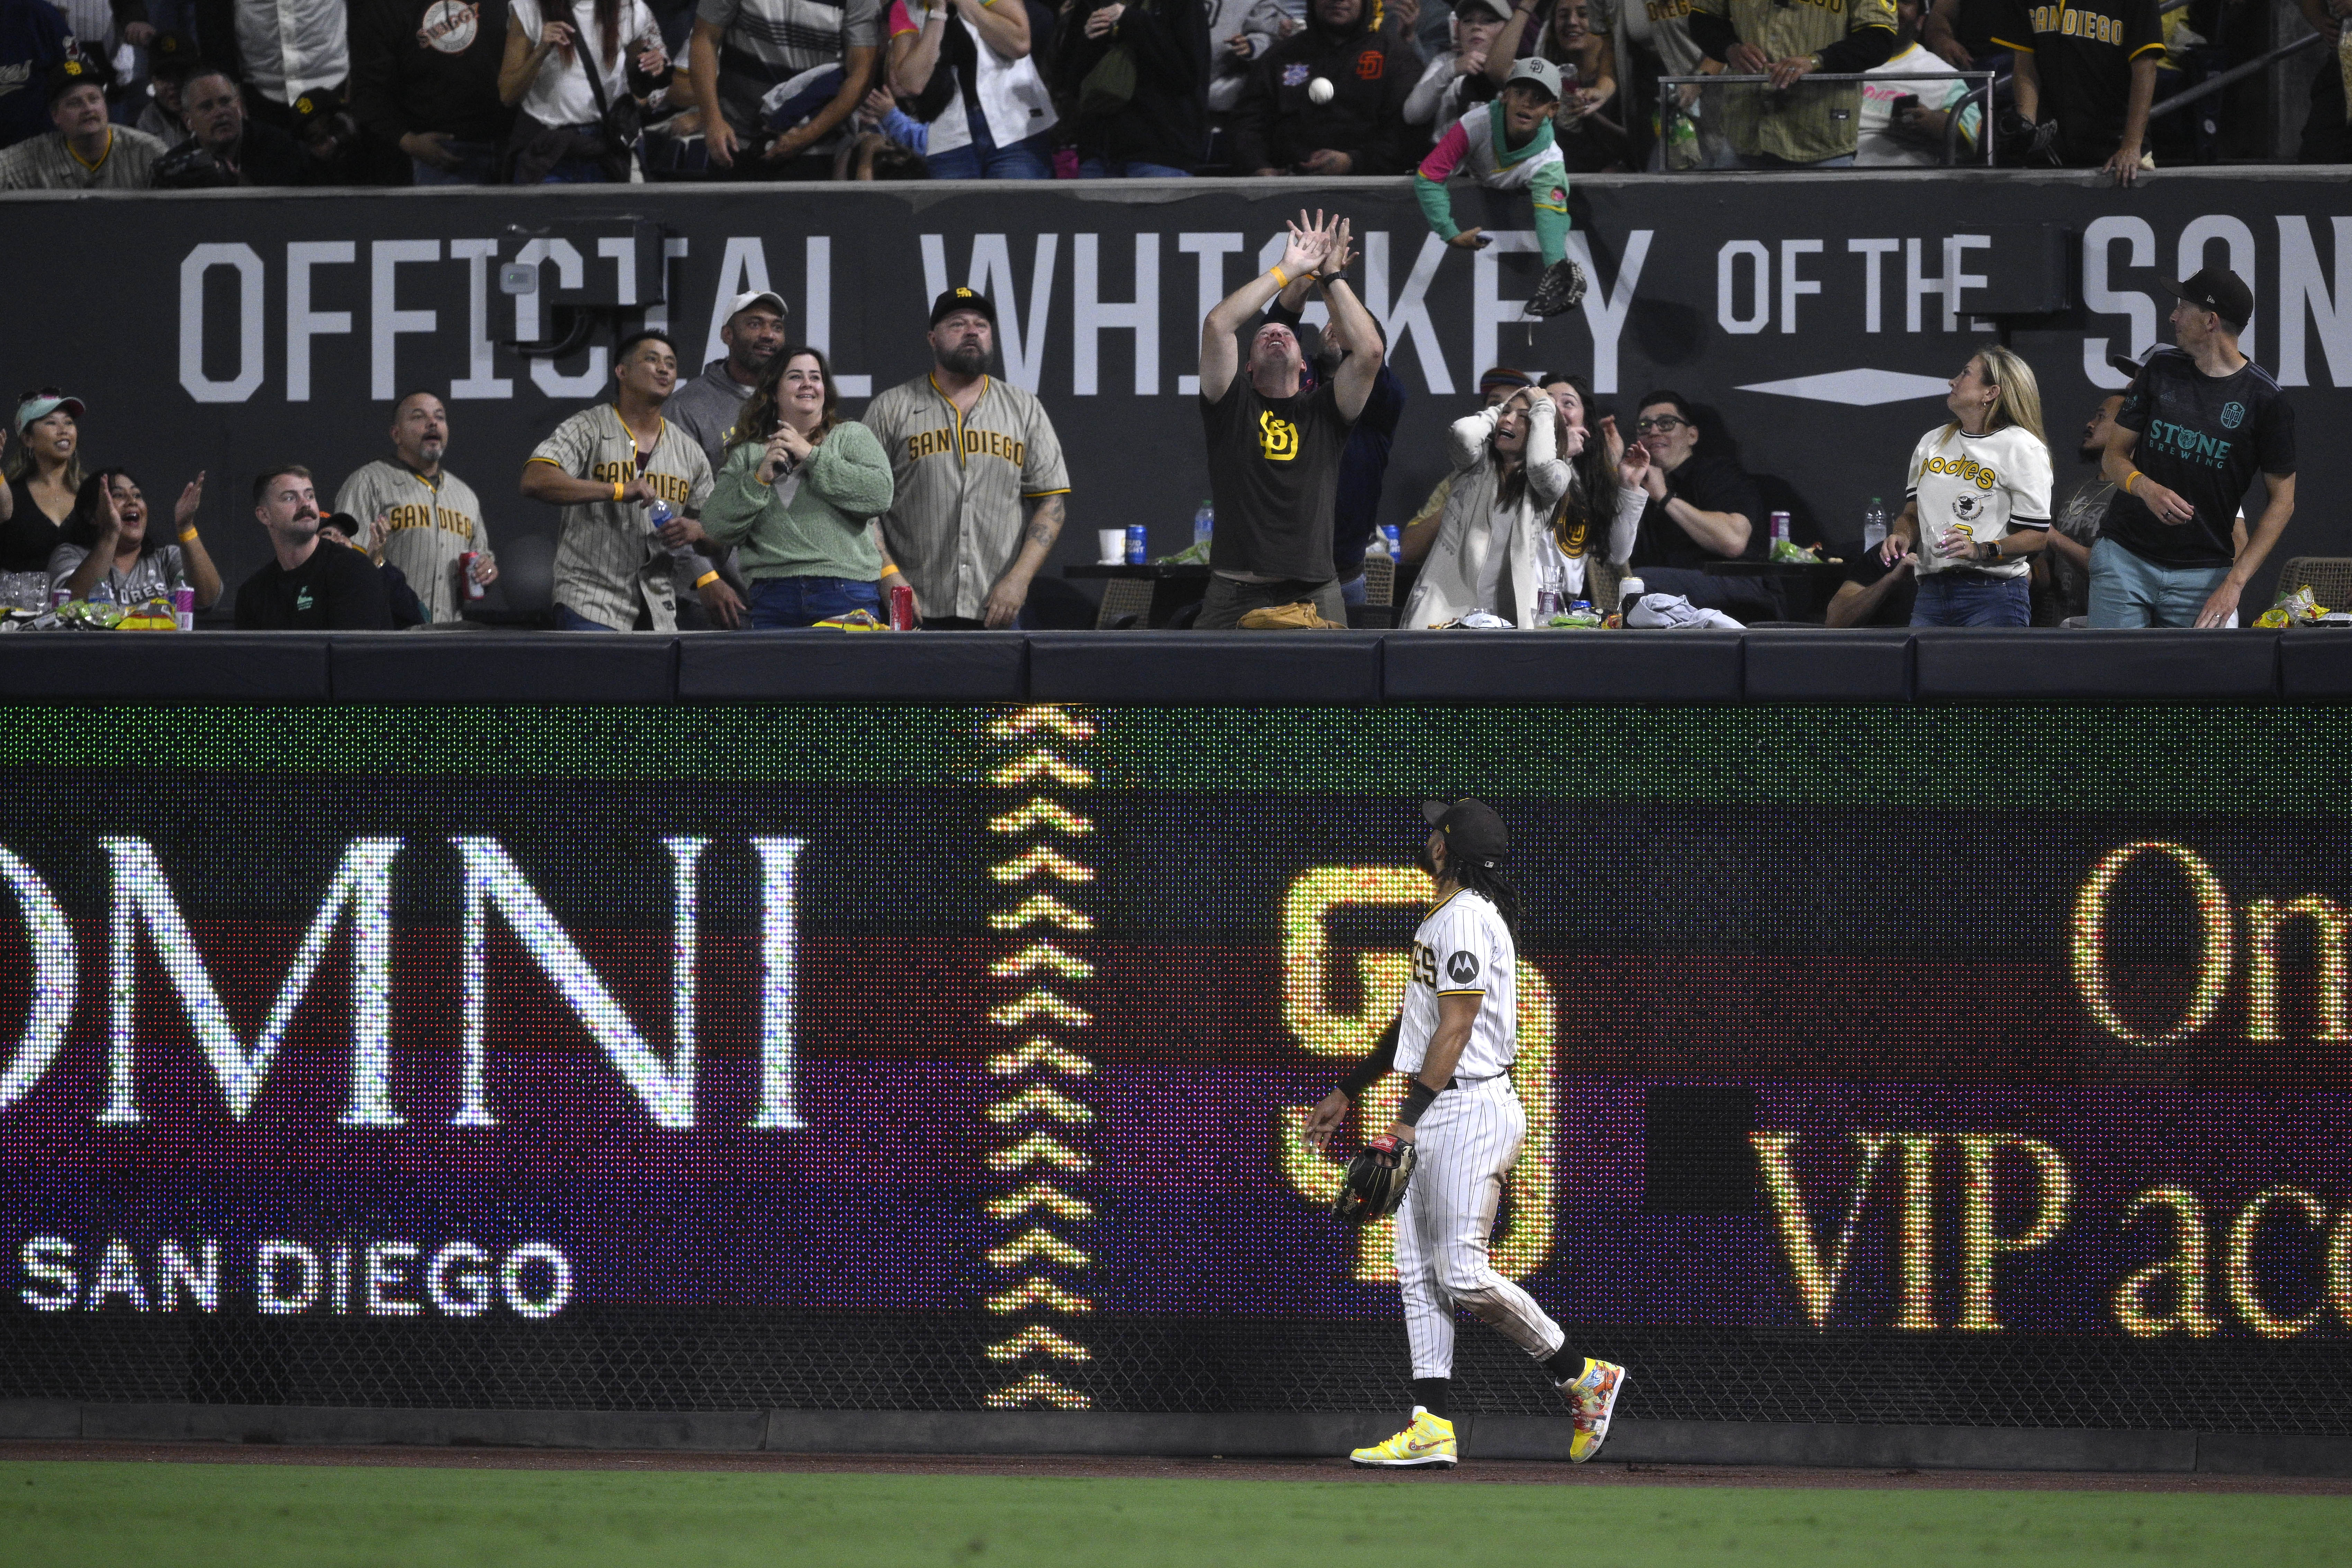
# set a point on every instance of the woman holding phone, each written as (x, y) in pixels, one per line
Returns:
(1978, 500)
(799, 491)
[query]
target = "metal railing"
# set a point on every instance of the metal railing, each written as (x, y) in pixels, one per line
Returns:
(2234, 74)
(1673, 106)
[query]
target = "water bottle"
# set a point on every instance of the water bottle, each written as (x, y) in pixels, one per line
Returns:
(1393, 537)
(1205, 521)
(101, 592)
(1874, 524)
(661, 513)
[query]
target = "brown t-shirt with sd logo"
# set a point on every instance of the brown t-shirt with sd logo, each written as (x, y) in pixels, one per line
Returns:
(1273, 468)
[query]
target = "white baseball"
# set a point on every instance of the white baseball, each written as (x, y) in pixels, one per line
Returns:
(1319, 90)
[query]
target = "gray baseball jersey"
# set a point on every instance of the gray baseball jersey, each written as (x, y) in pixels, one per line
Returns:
(956, 523)
(46, 164)
(433, 522)
(609, 563)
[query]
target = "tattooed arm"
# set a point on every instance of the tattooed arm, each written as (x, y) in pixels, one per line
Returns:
(1012, 590)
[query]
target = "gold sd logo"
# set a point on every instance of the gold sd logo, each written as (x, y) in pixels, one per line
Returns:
(1278, 438)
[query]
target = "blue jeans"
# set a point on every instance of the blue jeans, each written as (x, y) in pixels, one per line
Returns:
(568, 619)
(477, 164)
(1949, 599)
(1127, 169)
(780, 602)
(2129, 590)
(982, 159)
(1352, 591)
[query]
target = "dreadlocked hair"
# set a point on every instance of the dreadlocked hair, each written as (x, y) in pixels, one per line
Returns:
(1485, 878)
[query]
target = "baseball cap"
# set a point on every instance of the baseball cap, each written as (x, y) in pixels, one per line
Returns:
(1472, 827)
(319, 103)
(68, 75)
(961, 298)
(1542, 72)
(172, 56)
(750, 297)
(41, 405)
(1503, 375)
(2217, 289)
(1498, 8)
(341, 522)
(2128, 366)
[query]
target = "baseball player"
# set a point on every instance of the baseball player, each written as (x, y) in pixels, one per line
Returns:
(1506, 145)
(1458, 1133)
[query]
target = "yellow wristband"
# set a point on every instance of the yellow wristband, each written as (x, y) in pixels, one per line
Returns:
(888, 567)
(2128, 478)
(1279, 277)
(617, 490)
(187, 536)
(707, 579)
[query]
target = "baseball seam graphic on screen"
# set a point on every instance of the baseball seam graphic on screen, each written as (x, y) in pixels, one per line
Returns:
(1040, 1020)
(952, 1059)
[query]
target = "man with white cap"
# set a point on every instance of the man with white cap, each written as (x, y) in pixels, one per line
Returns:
(706, 409)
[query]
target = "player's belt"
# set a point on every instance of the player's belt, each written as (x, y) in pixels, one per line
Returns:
(1472, 1082)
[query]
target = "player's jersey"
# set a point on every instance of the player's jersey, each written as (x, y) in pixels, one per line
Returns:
(1463, 947)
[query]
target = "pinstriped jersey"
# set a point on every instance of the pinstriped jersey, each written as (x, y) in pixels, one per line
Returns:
(1463, 947)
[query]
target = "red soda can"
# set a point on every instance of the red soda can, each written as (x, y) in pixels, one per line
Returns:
(902, 608)
(474, 590)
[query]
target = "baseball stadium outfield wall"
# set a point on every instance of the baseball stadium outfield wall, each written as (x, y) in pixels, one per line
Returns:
(1814, 318)
(1934, 1046)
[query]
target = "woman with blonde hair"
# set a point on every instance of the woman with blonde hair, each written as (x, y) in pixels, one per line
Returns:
(1977, 499)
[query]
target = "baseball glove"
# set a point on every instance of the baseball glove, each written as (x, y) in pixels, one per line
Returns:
(1374, 1184)
(1561, 287)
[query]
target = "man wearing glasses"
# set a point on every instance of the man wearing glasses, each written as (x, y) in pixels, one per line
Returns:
(1701, 509)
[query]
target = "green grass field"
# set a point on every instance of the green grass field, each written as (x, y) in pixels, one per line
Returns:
(163, 1515)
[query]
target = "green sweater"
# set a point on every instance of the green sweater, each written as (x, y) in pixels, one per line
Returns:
(845, 484)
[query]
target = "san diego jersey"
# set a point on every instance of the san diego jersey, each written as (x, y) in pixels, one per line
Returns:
(1463, 947)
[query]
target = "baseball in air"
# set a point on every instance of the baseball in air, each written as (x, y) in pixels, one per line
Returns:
(1319, 90)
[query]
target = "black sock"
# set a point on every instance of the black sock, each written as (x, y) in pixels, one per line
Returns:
(1565, 1364)
(1431, 1394)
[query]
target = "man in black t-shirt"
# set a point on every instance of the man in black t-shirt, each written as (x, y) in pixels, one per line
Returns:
(2198, 424)
(2093, 72)
(1273, 451)
(307, 588)
(1701, 509)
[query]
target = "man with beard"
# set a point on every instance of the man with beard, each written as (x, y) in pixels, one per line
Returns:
(415, 515)
(224, 147)
(705, 408)
(305, 588)
(1273, 448)
(967, 452)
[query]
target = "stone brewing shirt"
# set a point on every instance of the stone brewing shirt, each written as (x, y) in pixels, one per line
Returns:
(2083, 59)
(609, 562)
(2204, 437)
(955, 521)
(1274, 473)
(433, 522)
(1808, 122)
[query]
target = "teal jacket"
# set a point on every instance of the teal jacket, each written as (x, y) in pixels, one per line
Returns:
(823, 532)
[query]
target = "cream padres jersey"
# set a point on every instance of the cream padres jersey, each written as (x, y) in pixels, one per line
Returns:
(1463, 947)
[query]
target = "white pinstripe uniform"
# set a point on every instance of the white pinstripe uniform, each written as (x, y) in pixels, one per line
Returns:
(1466, 1141)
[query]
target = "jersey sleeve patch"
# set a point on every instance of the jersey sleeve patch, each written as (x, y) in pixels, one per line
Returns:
(1462, 968)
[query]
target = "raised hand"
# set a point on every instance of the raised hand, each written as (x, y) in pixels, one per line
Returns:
(1306, 246)
(183, 515)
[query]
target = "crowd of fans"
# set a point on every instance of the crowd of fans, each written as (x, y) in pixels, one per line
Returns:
(129, 94)
(744, 496)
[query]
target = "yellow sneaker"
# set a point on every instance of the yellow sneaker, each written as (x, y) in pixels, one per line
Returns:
(1593, 1398)
(1428, 1441)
